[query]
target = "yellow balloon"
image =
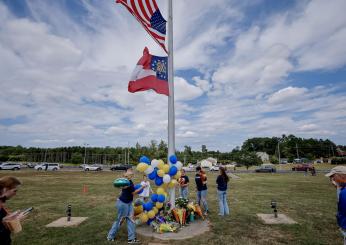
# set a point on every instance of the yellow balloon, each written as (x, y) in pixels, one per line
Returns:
(160, 190)
(151, 214)
(161, 164)
(172, 183)
(144, 217)
(165, 168)
(138, 209)
(159, 205)
(165, 185)
(177, 175)
(166, 195)
(141, 167)
(155, 210)
(160, 173)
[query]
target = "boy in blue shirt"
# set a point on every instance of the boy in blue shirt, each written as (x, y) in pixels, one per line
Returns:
(125, 211)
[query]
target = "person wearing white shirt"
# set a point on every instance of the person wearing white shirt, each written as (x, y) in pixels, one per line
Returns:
(147, 189)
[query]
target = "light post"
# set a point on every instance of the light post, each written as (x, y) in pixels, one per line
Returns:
(85, 145)
(279, 152)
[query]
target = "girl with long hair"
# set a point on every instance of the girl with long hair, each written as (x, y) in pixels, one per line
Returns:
(222, 181)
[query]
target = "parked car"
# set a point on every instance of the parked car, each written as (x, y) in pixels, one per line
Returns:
(214, 168)
(266, 168)
(9, 166)
(48, 166)
(30, 165)
(303, 167)
(92, 168)
(120, 167)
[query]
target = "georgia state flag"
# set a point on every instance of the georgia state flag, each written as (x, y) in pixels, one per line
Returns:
(150, 73)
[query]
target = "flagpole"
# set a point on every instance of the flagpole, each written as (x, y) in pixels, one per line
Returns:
(171, 114)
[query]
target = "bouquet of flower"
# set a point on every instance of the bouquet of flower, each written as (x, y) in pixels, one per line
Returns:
(181, 202)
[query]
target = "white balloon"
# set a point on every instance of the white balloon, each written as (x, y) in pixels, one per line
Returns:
(179, 165)
(154, 163)
(149, 170)
(166, 178)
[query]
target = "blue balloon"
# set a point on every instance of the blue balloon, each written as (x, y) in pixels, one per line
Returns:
(161, 198)
(173, 159)
(173, 170)
(137, 187)
(152, 175)
(148, 206)
(144, 159)
(154, 197)
(159, 181)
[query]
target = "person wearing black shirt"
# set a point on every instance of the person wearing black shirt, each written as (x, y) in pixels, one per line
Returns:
(184, 185)
(221, 182)
(8, 189)
(125, 211)
(201, 184)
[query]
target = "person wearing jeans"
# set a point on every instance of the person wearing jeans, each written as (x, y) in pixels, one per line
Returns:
(221, 182)
(125, 211)
(184, 185)
(201, 184)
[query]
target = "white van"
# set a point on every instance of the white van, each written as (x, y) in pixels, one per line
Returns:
(48, 166)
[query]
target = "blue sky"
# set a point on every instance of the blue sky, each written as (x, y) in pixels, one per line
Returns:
(243, 69)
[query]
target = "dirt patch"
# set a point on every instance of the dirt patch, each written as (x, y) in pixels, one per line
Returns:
(62, 222)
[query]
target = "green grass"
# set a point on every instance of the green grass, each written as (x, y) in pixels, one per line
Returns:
(311, 201)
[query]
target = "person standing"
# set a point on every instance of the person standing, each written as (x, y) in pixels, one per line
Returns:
(125, 211)
(201, 185)
(8, 189)
(146, 190)
(222, 181)
(338, 178)
(184, 185)
(336, 170)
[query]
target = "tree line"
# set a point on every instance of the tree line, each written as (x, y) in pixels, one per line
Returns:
(289, 147)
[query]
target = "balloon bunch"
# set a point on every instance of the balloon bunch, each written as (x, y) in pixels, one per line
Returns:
(164, 176)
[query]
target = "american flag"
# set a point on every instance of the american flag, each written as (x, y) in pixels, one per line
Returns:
(149, 15)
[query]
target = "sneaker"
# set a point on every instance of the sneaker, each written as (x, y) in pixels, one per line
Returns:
(134, 241)
(110, 239)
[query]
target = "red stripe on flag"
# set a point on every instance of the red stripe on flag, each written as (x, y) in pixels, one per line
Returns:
(151, 11)
(149, 82)
(155, 5)
(143, 10)
(135, 10)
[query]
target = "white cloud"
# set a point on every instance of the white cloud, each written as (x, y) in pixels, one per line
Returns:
(184, 90)
(287, 95)
(68, 78)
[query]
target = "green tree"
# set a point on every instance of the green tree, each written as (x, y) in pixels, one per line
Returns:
(77, 158)
(247, 158)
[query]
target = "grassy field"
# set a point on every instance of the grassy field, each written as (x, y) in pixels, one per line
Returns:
(311, 201)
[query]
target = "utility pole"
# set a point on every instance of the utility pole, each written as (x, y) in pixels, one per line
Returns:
(125, 155)
(45, 156)
(297, 150)
(85, 145)
(128, 153)
(332, 150)
(279, 152)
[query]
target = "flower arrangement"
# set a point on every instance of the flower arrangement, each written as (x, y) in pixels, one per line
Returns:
(181, 202)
